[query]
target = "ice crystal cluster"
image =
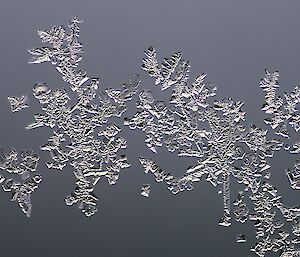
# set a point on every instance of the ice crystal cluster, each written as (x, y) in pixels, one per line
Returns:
(283, 111)
(145, 190)
(22, 188)
(214, 131)
(18, 103)
(192, 124)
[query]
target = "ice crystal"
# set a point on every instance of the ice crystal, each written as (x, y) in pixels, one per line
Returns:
(145, 190)
(241, 211)
(18, 103)
(294, 175)
(25, 168)
(240, 238)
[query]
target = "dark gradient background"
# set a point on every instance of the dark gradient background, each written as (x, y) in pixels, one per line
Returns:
(233, 41)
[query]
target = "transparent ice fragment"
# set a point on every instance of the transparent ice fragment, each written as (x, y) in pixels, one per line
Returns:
(241, 238)
(296, 227)
(146, 97)
(225, 219)
(29, 160)
(241, 211)
(295, 148)
(21, 190)
(290, 254)
(164, 75)
(145, 191)
(110, 131)
(41, 92)
(294, 176)
(18, 103)
(54, 36)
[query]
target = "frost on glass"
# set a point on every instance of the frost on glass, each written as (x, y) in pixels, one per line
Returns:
(83, 135)
(195, 124)
(19, 177)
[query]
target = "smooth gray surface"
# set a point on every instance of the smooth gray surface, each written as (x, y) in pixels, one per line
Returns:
(233, 41)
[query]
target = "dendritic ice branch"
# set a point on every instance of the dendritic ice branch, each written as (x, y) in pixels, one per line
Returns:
(283, 110)
(25, 168)
(83, 135)
(64, 52)
(214, 131)
(164, 75)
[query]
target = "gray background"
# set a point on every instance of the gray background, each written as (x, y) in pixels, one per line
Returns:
(233, 41)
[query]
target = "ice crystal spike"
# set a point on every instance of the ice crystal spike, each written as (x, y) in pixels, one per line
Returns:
(93, 140)
(163, 75)
(25, 167)
(18, 103)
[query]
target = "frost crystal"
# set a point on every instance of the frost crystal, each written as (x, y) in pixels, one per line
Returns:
(82, 136)
(20, 190)
(18, 103)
